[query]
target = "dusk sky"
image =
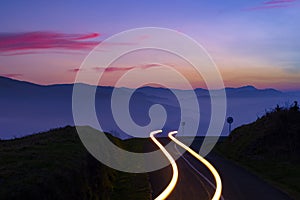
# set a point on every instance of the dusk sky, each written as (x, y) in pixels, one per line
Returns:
(252, 42)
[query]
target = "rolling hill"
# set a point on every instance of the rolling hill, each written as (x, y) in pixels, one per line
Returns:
(270, 146)
(55, 165)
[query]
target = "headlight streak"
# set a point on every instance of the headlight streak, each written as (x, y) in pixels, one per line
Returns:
(218, 192)
(196, 170)
(174, 179)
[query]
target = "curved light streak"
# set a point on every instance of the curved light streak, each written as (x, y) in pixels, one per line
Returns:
(174, 179)
(218, 192)
(197, 171)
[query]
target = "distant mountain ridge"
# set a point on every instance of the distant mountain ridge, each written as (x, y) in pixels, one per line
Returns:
(9, 82)
(27, 107)
(251, 90)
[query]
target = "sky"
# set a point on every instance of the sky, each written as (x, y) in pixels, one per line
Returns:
(252, 42)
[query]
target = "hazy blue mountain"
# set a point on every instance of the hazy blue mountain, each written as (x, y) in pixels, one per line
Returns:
(248, 91)
(27, 108)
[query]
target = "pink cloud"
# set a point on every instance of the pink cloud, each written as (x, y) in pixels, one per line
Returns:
(75, 70)
(278, 1)
(113, 69)
(272, 4)
(88, 36)
(12, 75)
(267, 7)
(32, 41)
(146, 66)
(122, 69)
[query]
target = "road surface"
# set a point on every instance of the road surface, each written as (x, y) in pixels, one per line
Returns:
(195, 181)
(166, 189)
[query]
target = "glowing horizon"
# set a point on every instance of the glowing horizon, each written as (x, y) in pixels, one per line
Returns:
(252, 43)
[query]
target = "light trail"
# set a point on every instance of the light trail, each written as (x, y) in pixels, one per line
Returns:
(174, 179)
(196, 170)
(218, 192)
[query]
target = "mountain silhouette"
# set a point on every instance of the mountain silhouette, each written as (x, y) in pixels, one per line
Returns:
(27, 107)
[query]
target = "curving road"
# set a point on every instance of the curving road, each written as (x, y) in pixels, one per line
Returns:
(171, 186)
(218, 193)
(195, 181)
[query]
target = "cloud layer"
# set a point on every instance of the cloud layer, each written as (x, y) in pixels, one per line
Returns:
(18, 43)
(118, 69)
(272, 4)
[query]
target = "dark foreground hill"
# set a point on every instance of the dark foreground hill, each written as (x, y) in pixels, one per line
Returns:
(55, 165)
(270, 146)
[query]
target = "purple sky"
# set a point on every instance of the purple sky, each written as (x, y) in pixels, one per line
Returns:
(252, 42)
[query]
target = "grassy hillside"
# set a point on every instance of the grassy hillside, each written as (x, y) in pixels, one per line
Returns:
(55, 165)
(270, 147)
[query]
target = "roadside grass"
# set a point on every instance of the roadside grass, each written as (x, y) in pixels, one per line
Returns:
(269, 147)
(55, 165)
(131, 186)
(283, 176)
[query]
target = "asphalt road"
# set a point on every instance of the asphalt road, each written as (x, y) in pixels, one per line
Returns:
(194, 180)
(190, 185)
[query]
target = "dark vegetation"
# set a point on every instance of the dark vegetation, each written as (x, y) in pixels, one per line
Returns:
(270, 147)
(55, 165)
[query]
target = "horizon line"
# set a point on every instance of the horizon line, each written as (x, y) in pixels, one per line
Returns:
(226, 87)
